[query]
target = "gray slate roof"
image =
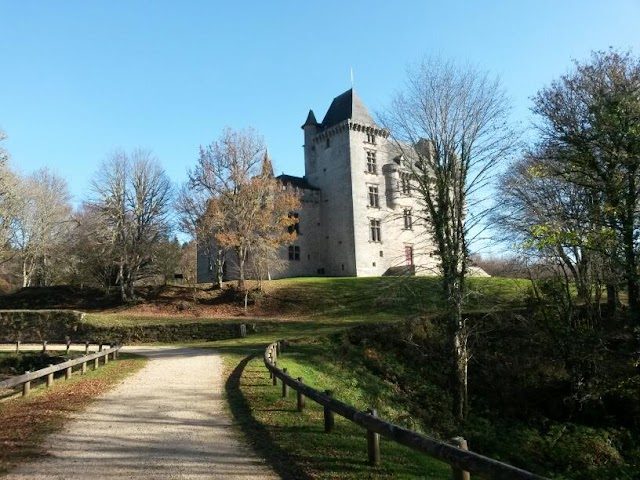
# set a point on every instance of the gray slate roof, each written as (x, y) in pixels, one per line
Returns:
(347, 106)
(311, 119)
(300, 182)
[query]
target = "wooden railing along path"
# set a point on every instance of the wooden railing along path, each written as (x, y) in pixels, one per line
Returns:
(462, 461)
(26, 379)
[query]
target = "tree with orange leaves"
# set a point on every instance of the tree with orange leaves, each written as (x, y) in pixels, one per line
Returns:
(247, 209)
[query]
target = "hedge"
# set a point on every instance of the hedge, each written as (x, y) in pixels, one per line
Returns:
(59, 325)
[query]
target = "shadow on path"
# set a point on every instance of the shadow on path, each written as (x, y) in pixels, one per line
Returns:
(260, 438)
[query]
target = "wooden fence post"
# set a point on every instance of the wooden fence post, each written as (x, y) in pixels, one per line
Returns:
(44, 345)
(115, 354)
(300, 397)
(285, 387)
(84, 368)
(17, 346)
(275, 379)
(100, 347)
(86, 348)
(329, 420)
(68, 346)
(243, 330)
(50, 378)
(458, 474)
(26, 387)
(373, 442)
(67, 373)
(106, 359)
(96, 363)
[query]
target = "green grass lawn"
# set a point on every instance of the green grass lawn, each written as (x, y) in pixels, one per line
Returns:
(326, 303)
(388, 298)
(311, 309)
(295, 443)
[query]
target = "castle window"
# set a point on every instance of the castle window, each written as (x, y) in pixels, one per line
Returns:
(381, 253)
(371, 162)
(294, 252)
(408, 221)
(373, 196)
(371, 138)
(408, 255)
(405, 183)
(374, 228)
(327, 143)
(296, 226)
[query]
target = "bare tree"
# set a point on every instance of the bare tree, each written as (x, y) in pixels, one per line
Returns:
(8, 191)
(200, 217)
(132, 194)
(92, 252)
(245, 206)
(188, 267)
(450, 123)
(42, 213)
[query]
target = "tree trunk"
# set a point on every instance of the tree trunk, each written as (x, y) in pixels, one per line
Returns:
(613, 299)
(241, 264)
(131, 275)
(219, 269)
(461, 361)
(25, 276)
(458, 337)
(631, 261)
(120, 280)
(631, 266)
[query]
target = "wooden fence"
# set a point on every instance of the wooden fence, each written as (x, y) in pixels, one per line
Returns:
(462, 461)
(24, 346)
(26, 379)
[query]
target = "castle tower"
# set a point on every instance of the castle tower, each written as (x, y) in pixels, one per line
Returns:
(310, 128)
(266, 169)
(340, 159)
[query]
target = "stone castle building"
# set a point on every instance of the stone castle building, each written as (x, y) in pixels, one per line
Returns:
(357, 215)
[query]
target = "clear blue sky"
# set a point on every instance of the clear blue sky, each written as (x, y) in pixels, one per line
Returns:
(81, 78)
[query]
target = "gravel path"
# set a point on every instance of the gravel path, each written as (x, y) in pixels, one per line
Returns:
(166, 421)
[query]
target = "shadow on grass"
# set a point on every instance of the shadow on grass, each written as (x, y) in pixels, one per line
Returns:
(260, 438)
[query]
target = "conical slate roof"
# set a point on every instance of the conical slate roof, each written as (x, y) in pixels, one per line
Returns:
(347, 106)
(267, 167)
(311, 119)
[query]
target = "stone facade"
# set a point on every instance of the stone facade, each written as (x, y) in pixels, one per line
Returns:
(357, 215)
(360, 222)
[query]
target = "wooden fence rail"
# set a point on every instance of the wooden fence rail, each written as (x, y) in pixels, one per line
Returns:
(26, 379)
(47, 344)
(461, 461)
